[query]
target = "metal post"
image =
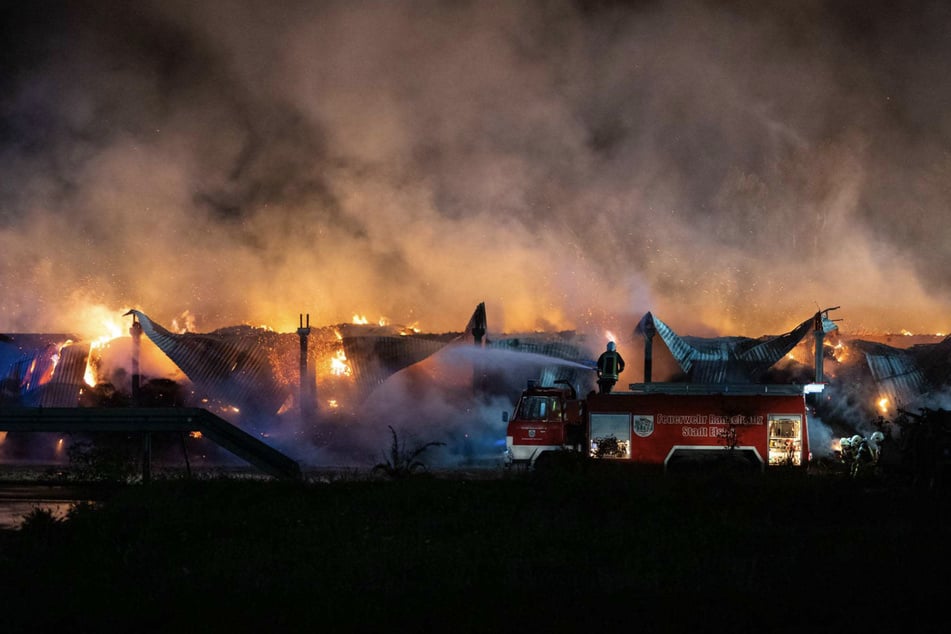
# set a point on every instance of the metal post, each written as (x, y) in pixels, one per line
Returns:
(136, 332)
(188, 464)
(649, 331)
(147, 457)
(307, 395)
(479, 325)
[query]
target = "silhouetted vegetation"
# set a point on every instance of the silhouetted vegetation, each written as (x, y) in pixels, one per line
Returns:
(401, 462)
(782, 550)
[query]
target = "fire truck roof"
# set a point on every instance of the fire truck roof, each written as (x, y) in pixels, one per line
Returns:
(717, 388)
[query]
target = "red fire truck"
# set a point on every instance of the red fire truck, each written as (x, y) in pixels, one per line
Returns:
(669, 424)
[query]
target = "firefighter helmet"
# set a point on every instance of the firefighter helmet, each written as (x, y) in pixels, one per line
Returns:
(845, 443)
(856, 439)
(878, 437)
(611, 346)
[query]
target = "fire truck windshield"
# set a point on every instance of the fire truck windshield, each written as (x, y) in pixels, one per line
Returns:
(538, 408)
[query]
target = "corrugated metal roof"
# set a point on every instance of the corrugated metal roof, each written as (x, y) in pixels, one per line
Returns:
(567, 346)
(374, 358)
(897, 375)
(234, 367)
(41, 370)
(726, 359)
(934, 361)
(257, 368)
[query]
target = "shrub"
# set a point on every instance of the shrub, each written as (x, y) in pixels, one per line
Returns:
(401, 462)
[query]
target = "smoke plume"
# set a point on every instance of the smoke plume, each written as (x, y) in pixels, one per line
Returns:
(729, 165)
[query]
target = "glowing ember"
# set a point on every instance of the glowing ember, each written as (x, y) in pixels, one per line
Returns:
(194, 434)
(883, 404)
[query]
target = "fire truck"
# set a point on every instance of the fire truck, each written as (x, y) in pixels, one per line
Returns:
(665, 424)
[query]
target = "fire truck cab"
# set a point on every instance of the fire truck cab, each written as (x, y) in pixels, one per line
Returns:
(668, 424)
(545, 419)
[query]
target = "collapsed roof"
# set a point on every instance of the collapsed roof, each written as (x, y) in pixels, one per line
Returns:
(719, 360)
(257, 370)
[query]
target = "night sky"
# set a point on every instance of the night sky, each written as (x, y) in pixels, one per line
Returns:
(732, 166)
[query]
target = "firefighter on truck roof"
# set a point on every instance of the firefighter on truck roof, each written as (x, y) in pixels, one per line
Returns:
(610, 365)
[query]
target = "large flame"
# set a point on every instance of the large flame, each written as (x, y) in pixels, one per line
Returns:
(112, 324)
(339, 365)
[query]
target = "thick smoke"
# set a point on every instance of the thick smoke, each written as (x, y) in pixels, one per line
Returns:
(573, 164)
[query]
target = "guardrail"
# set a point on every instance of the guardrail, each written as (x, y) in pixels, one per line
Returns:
(148, 420)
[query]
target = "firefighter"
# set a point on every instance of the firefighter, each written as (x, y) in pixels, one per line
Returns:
(846, 453)
(610, 365)
(866, 454)
(875, 442)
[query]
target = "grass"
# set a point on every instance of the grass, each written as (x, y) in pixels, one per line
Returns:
(562, 550)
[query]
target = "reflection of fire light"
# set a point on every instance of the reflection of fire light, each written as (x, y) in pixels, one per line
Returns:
(339, 365)
(55, 357)
(3, 436)
(59, 445)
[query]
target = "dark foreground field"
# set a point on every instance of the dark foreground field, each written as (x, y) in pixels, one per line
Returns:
(639, 552)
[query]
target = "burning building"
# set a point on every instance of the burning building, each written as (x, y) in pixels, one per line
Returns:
(296, 388)
(337, 387)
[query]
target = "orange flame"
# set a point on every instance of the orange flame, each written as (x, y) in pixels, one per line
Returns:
(339, 365)
(412, 329)
(114, 328)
